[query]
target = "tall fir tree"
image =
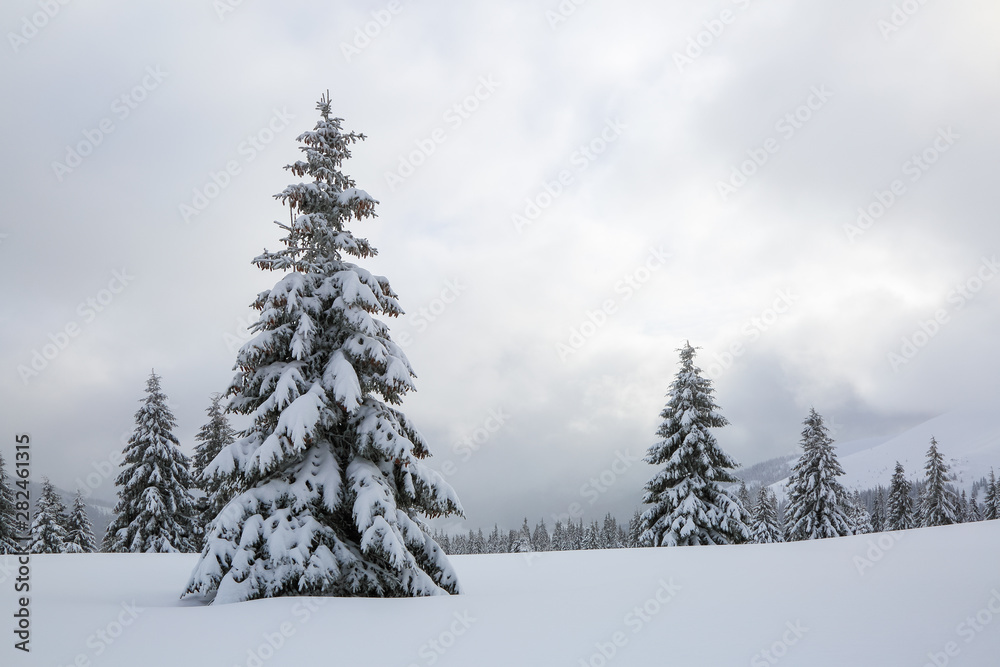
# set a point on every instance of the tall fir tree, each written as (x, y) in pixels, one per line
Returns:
(330, 485)
(938, 503)
(540, 539)
(155, 510)
(48, 528)
(213, 437)
(764, 526)
(79, 529)
(899, 513)
(991, 499)
(688, 504)
(816, 500)
(634, 530)
(8, 515)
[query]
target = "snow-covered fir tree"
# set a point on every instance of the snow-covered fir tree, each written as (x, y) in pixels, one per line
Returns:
(899, 513)
(8, 515)
(48, 528)
(155, 510)
(330, 479)
(816, 500)
(687, 502)
(991, 499)
(494, 543)
(213, 437)
(521, 540)
(634, 530)
(540, 539)
(938, 502)
(592, 537)
(558, 537)
(878, 511)
(764, 526)
(609, 533)
(79, 530)
(860, 518)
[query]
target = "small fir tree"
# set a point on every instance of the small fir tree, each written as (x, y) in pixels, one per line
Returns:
(48, 529)
(213, 437)
(80, 531)
(816, 500)
(938, 503)
(687, 502)
(764, 526)
(155, 510)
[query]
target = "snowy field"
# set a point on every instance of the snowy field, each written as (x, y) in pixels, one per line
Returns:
(931, 597)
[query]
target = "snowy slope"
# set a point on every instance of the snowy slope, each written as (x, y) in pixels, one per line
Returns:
(825, 603)
(968, 437)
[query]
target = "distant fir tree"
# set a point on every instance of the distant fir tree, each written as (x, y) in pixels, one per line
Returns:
(975, 509)
(155, 510)
(688, 504)
(592, 537)
(764, 526)
(540, 540)
(816, 500)
(79, 531)
(48, 529)
(879, 511)
(213, 437)
(991, 499)
(331, 484)
(8, 515)
(522, 539)
(609, 533)
(558, 537)
(634, 530)
(938, 503)
(861, 520)
(962, 508)
(494, 543)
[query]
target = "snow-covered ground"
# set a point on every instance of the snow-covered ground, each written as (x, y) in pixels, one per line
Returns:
(858, 601)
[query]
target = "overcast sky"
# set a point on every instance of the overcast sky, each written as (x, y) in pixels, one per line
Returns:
(566, 195)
